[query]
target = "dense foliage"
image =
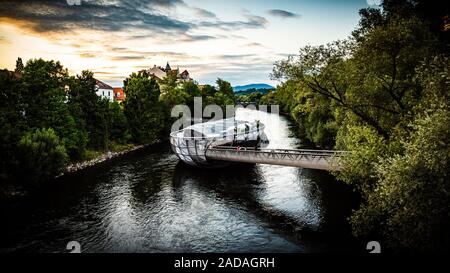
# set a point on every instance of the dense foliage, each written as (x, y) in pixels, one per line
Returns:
(142, 108)
(49, 118)
(42, 155)
(383, 95)
(252, 97)
(173, 93)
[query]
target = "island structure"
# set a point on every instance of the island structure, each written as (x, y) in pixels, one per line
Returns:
(191, 143)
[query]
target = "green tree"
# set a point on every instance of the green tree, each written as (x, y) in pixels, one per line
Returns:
(224, 87)
(42, 155)
(44, 95)
(19, 65)
(407, 201)
(175, 96)
(168, 83)
(208, 90)
(118, 124)
(13, 123)
(270, 98)
(191, 88)
(143, 109)
(382, 96)
(409, 205)
(358, 75)
(90, 110)
(224, 95)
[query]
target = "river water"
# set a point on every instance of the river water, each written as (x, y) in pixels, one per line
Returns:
(151, 202)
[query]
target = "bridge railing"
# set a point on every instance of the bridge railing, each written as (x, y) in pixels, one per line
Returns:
(277, 150)
(306, 158)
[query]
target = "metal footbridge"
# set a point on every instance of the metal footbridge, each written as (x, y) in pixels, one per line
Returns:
(217, 143)
(303, 158)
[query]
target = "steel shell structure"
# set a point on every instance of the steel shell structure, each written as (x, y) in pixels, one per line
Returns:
(191, 143)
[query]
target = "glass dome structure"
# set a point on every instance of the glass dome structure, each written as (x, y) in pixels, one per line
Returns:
(190, 144)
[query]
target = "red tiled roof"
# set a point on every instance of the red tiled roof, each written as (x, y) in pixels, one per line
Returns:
(102, 85)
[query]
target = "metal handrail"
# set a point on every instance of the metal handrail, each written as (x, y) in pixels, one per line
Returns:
(261, 128)
(292, 151)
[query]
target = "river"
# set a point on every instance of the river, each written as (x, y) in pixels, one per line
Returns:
(151, 202)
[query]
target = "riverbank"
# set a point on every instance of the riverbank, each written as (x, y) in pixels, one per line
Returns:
(104, 157)
(11, 191)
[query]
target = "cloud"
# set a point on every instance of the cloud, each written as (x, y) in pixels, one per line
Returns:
(145, 53)
(253, 21)
(236, 56)
(165, 2)
(126, 34)
(133, 19)
(3, 40)
(282, 13)
(120, 54)
(204, 13)
(127, 57)
(254, 44)
(58, 16)
(88, 55)
(195, 38)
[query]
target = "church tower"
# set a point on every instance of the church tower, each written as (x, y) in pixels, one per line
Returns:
(168, 67)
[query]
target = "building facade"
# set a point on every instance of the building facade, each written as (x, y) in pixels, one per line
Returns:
(119, 95)
(104, 90)
(160, 73)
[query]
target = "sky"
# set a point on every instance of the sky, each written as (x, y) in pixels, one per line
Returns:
(236, 40)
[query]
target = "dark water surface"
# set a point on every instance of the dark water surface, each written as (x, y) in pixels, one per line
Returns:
(151, 202)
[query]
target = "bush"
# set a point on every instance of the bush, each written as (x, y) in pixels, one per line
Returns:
(410, 204)
(42, 156)
(91, 154)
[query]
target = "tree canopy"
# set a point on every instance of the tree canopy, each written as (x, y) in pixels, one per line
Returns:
(383, 95)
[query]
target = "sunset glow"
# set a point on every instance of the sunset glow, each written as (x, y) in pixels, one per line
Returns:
(216, 38)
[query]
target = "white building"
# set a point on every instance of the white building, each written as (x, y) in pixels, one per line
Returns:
(104, 90)
(157, 72)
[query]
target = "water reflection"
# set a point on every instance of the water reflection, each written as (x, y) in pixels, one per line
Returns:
(150, 202)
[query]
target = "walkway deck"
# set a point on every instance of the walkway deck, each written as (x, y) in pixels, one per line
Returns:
(311, 159)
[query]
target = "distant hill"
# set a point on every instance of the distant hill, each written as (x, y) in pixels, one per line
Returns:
(252, 91)
(252, 86)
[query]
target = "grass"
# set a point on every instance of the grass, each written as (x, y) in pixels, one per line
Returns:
(113, 147)
(91, 154)
(116, 147)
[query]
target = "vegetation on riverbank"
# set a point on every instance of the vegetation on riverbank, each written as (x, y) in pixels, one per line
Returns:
(253, 97)
(50, 119)
(384, 95)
